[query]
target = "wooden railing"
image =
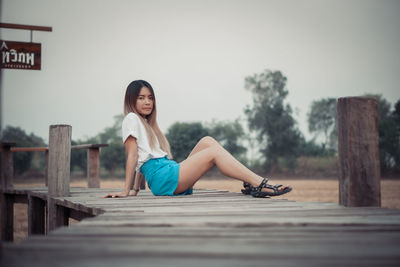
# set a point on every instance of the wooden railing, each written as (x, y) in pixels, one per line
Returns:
(60, 145)
(46, 211)
(93, 160)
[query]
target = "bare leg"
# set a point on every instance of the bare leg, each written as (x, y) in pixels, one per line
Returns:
(204, 156)
(203, 144)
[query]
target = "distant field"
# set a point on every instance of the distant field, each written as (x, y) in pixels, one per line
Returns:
(308, 190)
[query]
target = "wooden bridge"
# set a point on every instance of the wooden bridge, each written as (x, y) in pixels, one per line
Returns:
(209, 228)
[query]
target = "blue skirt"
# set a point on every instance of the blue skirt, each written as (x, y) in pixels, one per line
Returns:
(162, 176)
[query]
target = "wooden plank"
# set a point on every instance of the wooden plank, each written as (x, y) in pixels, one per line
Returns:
(126, 259)
(25, 27)
(20, 199)
(227, 231)
(344, 246)
(88, 146)
(212, 228)
(282, 212)
(29, 149)
(79, 215)
(140, 219)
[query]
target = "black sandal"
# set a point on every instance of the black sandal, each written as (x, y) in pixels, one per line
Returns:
(256, 191)
(247, 188)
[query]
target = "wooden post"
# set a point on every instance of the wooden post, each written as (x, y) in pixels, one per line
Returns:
(6, 217)
(59, 160)
(46, 170)
(93, 167)
(56, 215)
(7, 166)
(36, 216)
(58, 174)
(6, 201)
(358, 139)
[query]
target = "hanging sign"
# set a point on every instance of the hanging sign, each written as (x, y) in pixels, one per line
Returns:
(20, 55)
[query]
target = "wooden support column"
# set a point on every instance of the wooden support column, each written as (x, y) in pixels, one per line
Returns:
(36, 216)
(6, 201)
(57, 216)
(358, 139)
(59, 160)
(46, 169)
(7, 166)
(93, 167)
(6, 217)
(58, 173)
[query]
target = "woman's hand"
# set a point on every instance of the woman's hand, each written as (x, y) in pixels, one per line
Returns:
(115, 195)
(132, 193)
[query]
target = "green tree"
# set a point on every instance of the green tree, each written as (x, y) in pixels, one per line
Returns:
(396, 113)
(229, 135)
(389, 135)
(396, 152)
(271, 118)
(183, 136)
(312, 149)
(112, 156)
(22, 160)
(79, 157)
(322, 120)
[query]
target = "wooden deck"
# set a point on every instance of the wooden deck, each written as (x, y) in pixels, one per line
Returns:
(210, 228)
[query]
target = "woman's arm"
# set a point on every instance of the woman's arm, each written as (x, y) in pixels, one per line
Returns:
(136, 184)
(131, 150)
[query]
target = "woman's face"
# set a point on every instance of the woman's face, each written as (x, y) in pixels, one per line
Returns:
(145, 102)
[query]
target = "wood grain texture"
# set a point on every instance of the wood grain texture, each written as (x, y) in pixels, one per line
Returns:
(358, 139)
(210, 227)
(6, 217)
(59, 160)
(36, 216)
(93, 167)
(6, 166)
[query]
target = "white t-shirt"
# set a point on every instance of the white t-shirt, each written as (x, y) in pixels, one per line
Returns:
(132, 125)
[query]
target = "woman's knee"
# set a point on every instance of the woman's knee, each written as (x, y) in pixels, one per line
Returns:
(208, 140)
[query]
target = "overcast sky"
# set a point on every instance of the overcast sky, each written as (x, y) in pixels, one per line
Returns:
(196, 55)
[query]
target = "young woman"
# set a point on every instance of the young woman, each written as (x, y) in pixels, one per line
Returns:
(148, 153)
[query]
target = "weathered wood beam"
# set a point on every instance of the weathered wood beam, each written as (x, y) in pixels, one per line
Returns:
(56, 215)
(59, 160)
(93, 167)
(358, 140)
(58, 174)
(25, 27)
(6, 166)
(36, 216)
(6, 217)
(75, 147)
